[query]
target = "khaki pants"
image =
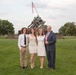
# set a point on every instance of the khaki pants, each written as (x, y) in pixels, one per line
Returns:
(23, 57)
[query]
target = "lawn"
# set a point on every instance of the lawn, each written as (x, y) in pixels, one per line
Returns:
(65, 59)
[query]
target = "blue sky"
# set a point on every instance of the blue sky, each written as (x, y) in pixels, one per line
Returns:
(55, 12)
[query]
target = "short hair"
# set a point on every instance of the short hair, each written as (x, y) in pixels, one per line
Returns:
(49, 26)
(23, 29)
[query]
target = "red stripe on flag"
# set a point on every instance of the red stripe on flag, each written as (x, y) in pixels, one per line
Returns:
(32, 7)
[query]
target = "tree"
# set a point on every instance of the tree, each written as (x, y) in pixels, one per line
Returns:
(69, 28)
(6, 27)
(44, 26)
(62, 30)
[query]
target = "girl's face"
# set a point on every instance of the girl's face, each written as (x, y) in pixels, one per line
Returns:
(40, 31)
(32, 30)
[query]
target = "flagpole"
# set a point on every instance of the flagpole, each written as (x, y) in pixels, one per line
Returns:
(35, 9)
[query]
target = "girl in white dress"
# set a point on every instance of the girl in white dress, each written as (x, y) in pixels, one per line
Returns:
(41, 46)
(32, 47)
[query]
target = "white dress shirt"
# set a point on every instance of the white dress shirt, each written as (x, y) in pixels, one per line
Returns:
(21, 40)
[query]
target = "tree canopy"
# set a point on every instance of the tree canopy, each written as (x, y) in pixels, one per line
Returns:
(6, 27)
(68, 29)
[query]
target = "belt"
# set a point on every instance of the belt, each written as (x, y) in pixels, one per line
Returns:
(23, 46)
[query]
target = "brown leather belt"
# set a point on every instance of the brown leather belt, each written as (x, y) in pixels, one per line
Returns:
(23, 46)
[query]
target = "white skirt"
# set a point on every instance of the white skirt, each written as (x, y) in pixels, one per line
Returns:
(32, 49)
(41, 51)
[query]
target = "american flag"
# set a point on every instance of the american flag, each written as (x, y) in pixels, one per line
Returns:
(32, 7)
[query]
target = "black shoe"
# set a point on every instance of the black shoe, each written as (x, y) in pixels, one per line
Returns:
(51, 68)
(24, 67)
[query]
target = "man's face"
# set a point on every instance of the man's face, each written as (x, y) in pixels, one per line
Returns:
(24, 31)
(48, 28)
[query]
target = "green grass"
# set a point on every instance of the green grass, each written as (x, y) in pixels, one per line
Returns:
(65, 59)
(2, 37)
(69, 37)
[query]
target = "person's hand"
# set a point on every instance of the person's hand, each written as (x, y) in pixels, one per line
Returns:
(46, 42)
(21, 50)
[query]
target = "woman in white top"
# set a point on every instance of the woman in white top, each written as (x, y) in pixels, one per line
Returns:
(41, 46)
(32, 47)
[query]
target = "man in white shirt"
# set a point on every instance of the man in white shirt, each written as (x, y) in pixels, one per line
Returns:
(22, 44)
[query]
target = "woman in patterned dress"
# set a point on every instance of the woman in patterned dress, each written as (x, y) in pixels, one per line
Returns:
(32, 47)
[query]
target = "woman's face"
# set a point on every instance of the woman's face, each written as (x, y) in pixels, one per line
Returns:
(32, 31)
(40, 31)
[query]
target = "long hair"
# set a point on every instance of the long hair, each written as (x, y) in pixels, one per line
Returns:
(23, 29)
(34, 31)
(42, 32)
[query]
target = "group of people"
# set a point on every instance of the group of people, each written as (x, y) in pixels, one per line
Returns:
(37, 43)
